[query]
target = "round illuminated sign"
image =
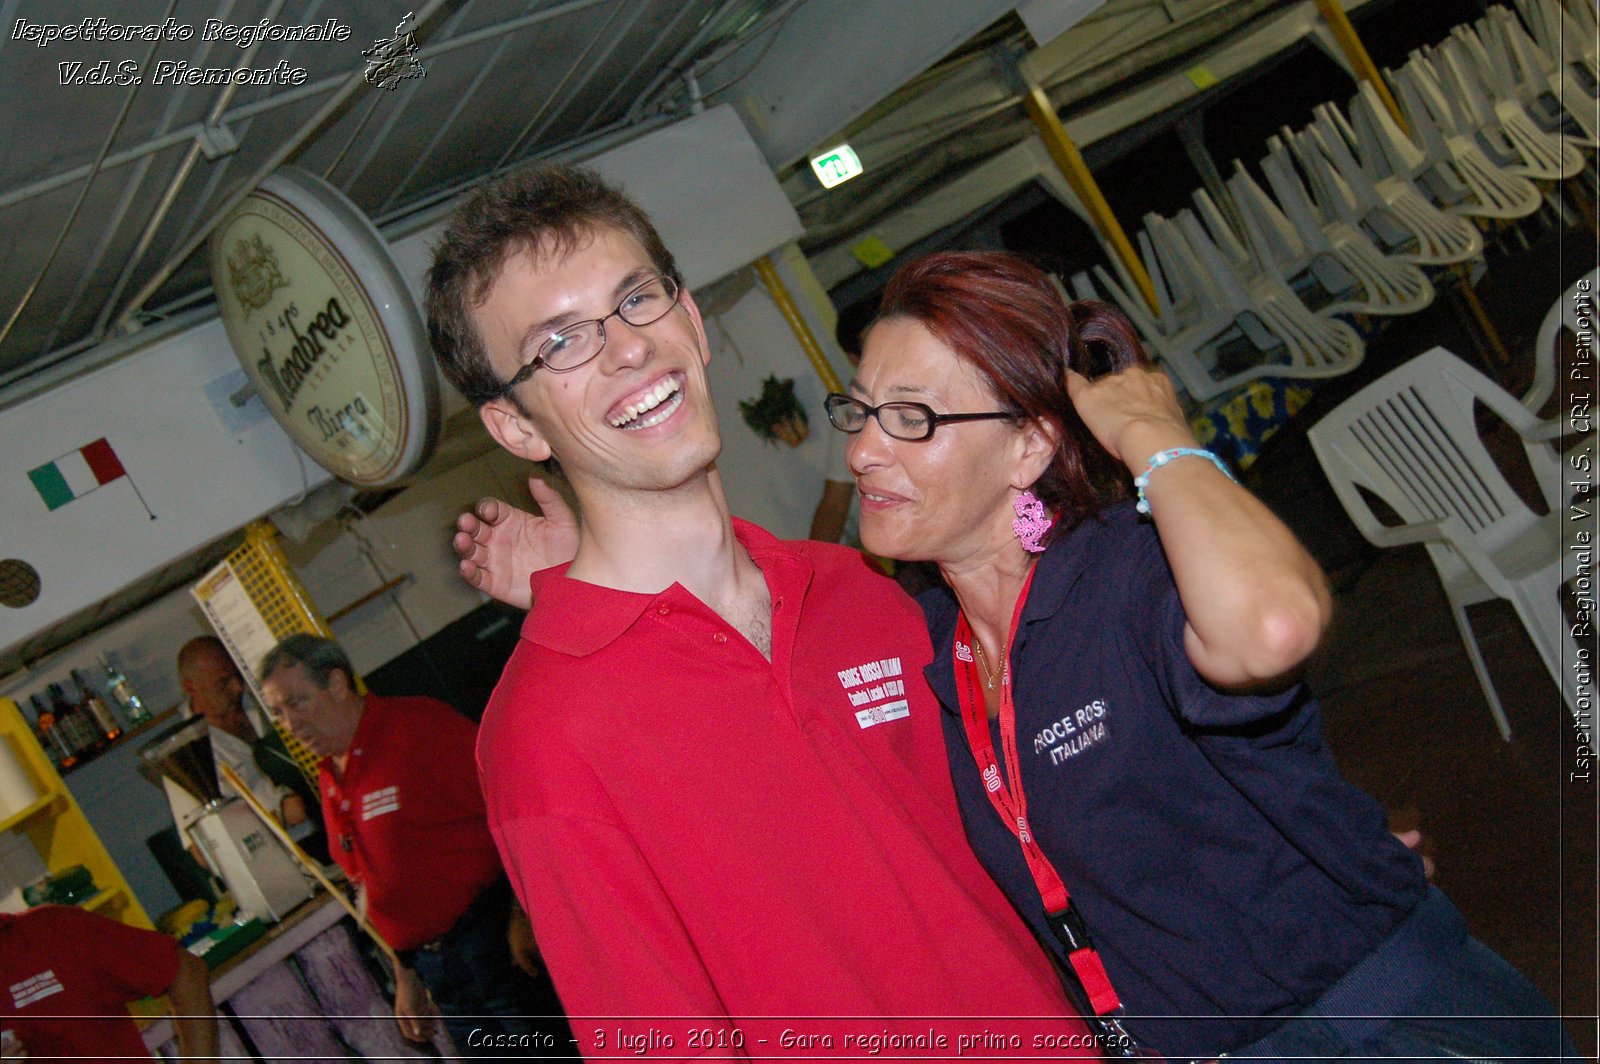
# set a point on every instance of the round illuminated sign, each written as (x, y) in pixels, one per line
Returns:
(322, 321)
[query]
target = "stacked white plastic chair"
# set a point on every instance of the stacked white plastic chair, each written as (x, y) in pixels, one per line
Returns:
(1549, 88)
(1223, 323)
(1373, 193)
(1497, 119)
(1456, 172)
(1410, 439)
(1121, 292)
(1333, 266)
(1567, 35)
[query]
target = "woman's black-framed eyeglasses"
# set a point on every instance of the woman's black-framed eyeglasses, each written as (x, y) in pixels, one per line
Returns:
(581, 342)
(902, 420)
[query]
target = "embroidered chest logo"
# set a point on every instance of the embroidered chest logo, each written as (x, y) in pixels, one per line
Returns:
(876, 691)
(32, 989)
(381, 801)
(1073, 733)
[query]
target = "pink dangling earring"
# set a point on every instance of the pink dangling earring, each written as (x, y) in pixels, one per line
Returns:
(1032, 522)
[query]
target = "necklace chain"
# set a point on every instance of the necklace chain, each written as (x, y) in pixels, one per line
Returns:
(990, 675)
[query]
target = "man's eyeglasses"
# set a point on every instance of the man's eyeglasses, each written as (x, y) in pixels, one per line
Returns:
(903, 421)
(579, 343)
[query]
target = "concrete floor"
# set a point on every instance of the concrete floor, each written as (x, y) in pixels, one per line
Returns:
(1514, 837)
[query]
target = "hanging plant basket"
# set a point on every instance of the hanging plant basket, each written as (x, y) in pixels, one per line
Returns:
(776, 414)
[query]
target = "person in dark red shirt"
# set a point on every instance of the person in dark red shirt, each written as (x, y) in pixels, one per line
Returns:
(405, 820)
(68, 975)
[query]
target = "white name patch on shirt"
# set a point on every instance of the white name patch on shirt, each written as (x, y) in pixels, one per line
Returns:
(381, 801)
(32, 989)
(886, 712)
(874, 687)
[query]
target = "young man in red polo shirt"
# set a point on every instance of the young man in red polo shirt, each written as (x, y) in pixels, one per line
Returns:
(726, 820)
(405, 820)
(67, 976)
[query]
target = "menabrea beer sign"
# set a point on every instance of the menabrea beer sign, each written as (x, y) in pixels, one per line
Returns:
(322, 322)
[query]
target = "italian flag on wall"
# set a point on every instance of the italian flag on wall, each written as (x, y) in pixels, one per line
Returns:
(76, 473)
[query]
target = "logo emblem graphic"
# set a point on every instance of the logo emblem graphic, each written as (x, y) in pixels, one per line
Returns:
(963, 652)
(991, 778)
(392, 61)
(254, 273)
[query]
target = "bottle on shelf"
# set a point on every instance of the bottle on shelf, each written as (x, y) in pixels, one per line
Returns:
(122, 692)
(105, 718)
(81, 731)
(52, 737)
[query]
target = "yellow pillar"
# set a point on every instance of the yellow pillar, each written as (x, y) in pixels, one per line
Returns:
(1350, 44)
(1070, 162)
(791, 314)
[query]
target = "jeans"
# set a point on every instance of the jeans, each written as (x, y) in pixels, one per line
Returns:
(490, 1006)
(1428, 993)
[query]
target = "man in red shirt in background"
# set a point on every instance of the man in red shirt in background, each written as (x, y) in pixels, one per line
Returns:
(67, 976)
(405, 820)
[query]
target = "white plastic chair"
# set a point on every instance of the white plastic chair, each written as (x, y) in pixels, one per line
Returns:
(1457, 174)
(1563, 314)
(1235, 329)
(1138, 312)
(1367, 192)
(1409, 438)
(1502, 127)
(1566, 38)
(1548, 88)
(1329, 262)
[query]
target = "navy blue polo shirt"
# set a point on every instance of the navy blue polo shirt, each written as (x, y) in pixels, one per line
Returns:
(1228, 873)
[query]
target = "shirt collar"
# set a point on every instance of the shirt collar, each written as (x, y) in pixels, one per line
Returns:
(1058, 569)
(577, 619)
(367, 729)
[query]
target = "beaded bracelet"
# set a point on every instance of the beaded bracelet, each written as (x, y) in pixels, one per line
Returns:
(1161, 458)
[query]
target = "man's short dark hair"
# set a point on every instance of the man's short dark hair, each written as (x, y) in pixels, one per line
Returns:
(319, 656)
(547, 208)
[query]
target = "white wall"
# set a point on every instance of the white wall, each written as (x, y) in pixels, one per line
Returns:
(200, 467)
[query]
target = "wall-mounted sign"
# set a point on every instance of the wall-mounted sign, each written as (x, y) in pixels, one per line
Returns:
(321, 319)
(836, 165)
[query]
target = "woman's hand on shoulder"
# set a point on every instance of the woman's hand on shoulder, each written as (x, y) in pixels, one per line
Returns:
(500, 545)
(1133, 413)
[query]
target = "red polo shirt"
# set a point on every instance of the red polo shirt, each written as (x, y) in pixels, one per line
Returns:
(697, 831)
(406, 819)
(66, 977)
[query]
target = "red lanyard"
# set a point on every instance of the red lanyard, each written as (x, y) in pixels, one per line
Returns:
(1012, 806)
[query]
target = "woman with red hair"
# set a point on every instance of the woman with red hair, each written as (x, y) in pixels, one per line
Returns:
(1135, 764)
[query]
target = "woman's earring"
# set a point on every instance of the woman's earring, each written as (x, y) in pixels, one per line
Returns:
(1032, 522)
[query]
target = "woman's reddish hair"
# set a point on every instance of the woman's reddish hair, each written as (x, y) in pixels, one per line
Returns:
(1006, 318)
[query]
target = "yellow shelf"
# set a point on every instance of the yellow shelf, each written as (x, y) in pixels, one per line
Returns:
(27, 813)
(105, 900)
(59, 831)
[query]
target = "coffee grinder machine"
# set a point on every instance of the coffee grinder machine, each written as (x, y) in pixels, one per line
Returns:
(263, 877)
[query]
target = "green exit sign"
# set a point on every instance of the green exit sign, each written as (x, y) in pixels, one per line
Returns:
(836, 165)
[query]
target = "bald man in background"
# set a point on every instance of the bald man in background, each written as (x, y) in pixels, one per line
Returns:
(216, 691)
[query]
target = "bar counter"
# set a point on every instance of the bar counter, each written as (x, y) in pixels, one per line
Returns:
(302, 992)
